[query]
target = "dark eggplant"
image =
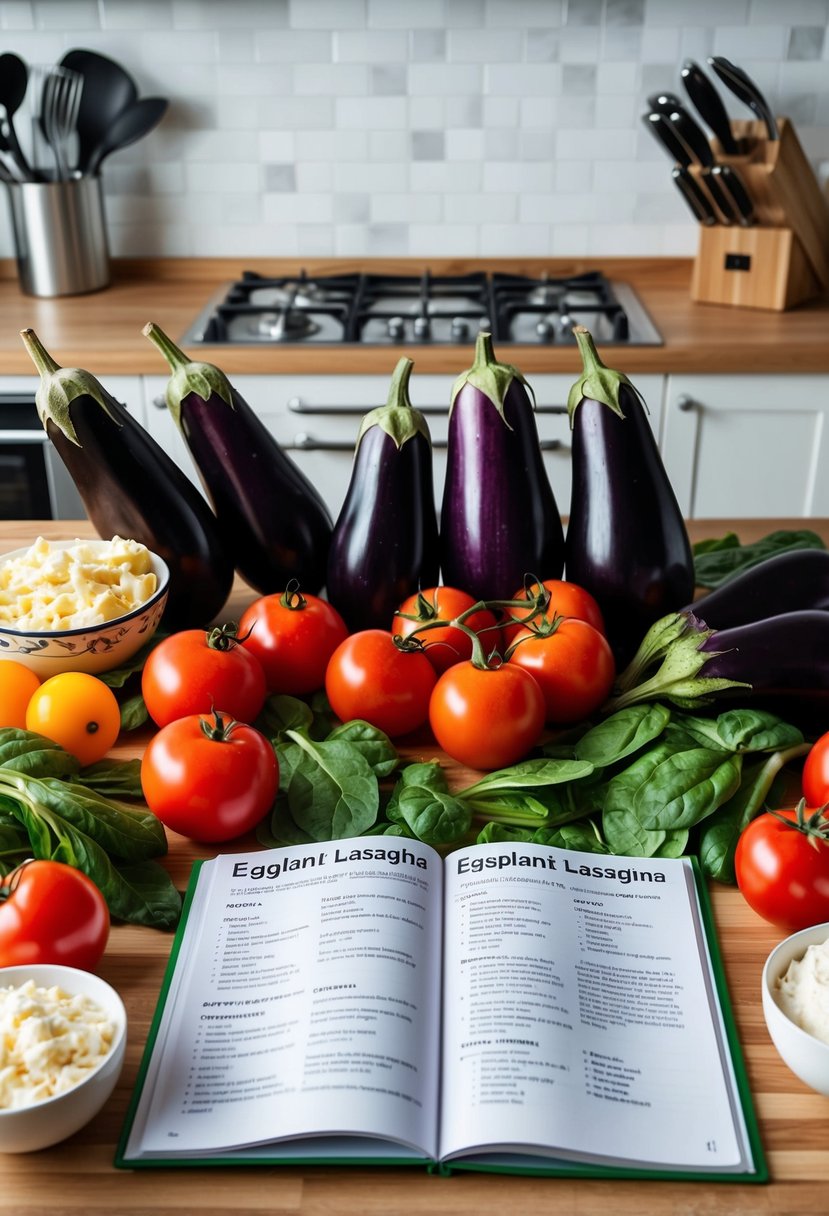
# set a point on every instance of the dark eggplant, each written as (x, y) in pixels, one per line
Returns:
(626, 538)
(786, 651)
(499, 518)
(385, 541)
(132, 488)
(787, 582)
(271, 518)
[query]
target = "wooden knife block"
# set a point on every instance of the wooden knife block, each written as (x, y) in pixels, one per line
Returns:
(783, 259)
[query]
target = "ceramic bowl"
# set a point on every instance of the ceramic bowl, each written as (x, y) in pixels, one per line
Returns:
(806, 1056)
(94, 648)
(43, 1123)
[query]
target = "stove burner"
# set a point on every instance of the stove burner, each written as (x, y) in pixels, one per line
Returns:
(423, 309)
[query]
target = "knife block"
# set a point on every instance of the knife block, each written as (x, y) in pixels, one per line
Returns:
(783, 259)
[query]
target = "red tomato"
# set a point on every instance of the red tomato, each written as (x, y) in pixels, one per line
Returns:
(815, 779)
(369, 677)
(52, 913)
(447, 644)
(193, 672)
(566, 599)
(486, 717)
(783, 870)
(209, 779)
(293, 636)
(573, 664)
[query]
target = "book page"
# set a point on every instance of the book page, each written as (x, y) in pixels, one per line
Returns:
(305, 1002)
(578, 1014)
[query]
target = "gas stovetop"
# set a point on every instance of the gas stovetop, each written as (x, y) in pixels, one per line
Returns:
(422, 310)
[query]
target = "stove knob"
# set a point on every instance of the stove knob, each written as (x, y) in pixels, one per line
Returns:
(621, 328)
(395, 328)
(544, 329)
(565, 325)
(459, 329)
(422, 327)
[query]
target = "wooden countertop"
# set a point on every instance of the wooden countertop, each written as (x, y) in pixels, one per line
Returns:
(102, 331)
(78, 1176)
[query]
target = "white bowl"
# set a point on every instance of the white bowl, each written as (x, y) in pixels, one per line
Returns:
(94, 648)
(47, 1122)
(806, 1056)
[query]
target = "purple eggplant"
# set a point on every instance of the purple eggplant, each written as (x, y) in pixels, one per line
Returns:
(786, 651)
(499, 518)
(132, 488)
(626, 539)
(271, 517)
(385, 541)
(787, 582)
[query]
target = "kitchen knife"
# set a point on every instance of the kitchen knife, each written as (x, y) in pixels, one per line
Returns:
(732, 185)
(709, 105)
(696, 198)
(664, 134)
(664, 103)
(692, 135)
(743, 86)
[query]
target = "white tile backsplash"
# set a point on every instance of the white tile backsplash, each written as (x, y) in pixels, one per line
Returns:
(443, 127)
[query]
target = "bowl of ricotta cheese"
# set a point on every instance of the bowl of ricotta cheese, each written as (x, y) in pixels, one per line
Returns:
(796, 1004)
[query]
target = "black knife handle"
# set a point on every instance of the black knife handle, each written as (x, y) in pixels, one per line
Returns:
(709, 105)
(698, 202)
(742, 86)
(726, 208)
(732, 185)
(664, 103)
(692, 135)
(664, 134)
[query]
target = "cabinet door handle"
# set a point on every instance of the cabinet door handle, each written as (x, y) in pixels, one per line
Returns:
(160, 403)
(297, 406)
(685, 402)
(303, 442)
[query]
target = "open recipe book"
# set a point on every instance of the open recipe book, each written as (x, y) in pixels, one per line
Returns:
(509, 1007)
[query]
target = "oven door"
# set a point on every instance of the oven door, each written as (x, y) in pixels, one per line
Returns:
(34, 483)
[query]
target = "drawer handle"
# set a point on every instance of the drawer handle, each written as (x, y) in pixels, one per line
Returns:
(297, 406)
(160, 403)
(303, 442)
(685, 403)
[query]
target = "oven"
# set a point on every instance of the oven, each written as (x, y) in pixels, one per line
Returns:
(34, 483)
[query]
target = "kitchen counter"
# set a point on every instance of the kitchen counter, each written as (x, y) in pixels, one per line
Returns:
(78, 1176)
(102, 331)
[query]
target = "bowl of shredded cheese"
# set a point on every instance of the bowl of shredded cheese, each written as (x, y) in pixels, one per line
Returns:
(79, 605)
(63, 1034)
(796, 1004)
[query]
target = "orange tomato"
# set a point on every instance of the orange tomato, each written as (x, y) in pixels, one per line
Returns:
(79, 712)
(18, 684)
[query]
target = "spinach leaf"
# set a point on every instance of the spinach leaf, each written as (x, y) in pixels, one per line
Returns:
(685, 787)
(424, 804)
(622, 734)
(504, 833)
(330, 789)
(118, 676)
(376, 746)
(27, 752)
(715, 562)
(134, 712)
(625, 834)
(14, 846)
(283, 713)
(530, 774)
(113, 778)
(131, 834)
(581, 836)
(755, 730)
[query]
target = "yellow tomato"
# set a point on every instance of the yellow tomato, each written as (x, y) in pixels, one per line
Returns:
(18, 684)
(79, 712)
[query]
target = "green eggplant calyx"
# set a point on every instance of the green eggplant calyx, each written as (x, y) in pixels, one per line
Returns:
(489, 376)
(60, 386)
(597, 382)
(188, 376)
(397, 418)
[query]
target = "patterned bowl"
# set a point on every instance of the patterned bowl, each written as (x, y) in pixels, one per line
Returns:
(92, 648)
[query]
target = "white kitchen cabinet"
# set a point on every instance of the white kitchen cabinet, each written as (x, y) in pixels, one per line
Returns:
(741, 446)
(316, 420)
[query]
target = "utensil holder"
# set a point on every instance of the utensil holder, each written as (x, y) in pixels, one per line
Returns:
(783, 259)
(60, 236)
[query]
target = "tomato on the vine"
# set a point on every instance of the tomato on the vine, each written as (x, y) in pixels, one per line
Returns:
(815, 778)
(197, 670)
(18, 684)
(370, 677)
(445, 644)
(566, 599)
(293, 636)
(782, 867)
(573, 664)
(486, 717)
(79, 712)
(51, 912)
(209, 779)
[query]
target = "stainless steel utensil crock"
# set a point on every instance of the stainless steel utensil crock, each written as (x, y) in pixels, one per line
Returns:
(60, 236)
